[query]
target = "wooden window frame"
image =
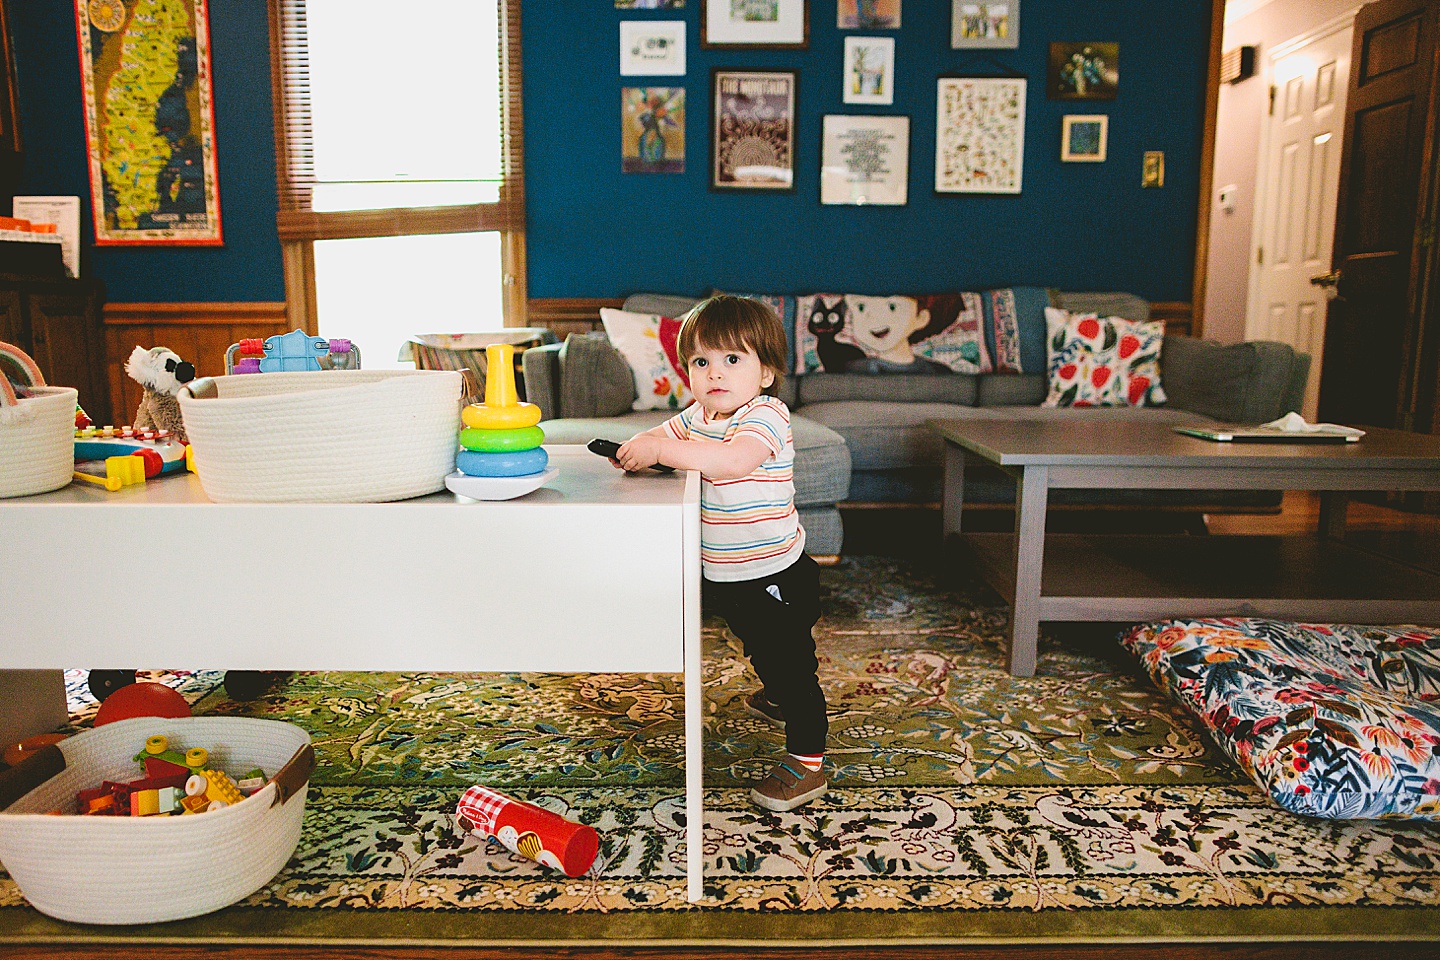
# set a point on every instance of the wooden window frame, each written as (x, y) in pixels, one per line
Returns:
(299, 226)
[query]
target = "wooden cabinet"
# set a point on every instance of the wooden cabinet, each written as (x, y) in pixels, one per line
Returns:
(57, 321)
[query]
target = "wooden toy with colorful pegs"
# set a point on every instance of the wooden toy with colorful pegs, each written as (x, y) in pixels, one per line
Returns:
(125, 455)
(501, 455)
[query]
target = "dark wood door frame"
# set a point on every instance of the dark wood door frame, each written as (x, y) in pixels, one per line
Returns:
(1207, 169)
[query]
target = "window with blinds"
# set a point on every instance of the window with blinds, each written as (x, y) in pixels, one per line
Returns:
(398, 155)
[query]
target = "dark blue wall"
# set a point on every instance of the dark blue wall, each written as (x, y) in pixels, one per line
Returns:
(594, 232)
(52, 124)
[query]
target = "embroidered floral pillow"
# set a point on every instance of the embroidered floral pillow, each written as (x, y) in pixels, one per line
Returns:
(648, 342)
(1103, 361)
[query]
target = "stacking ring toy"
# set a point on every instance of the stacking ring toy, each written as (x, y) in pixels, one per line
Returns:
(482, 416)
(501, 441)
(516, 464)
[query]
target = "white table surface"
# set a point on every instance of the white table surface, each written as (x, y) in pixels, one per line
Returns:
(598, 571)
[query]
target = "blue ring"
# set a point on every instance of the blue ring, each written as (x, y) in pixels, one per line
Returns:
(520, 463)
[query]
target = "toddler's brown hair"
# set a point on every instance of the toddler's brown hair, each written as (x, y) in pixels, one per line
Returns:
(735, 323)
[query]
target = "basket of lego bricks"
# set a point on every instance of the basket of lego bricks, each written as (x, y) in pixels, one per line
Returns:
(339, 436)
(37, 426)
(153, 819)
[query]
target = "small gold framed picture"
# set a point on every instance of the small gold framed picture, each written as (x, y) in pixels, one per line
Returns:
(1083, 138)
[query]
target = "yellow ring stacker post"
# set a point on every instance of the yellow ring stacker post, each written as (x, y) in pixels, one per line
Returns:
(502, 409)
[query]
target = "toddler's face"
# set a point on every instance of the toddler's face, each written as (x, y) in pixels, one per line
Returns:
(723, 380)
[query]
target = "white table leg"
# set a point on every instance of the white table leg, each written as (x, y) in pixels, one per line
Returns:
(1031, 493)
(694, 719)
(952, 490)
(31, 702)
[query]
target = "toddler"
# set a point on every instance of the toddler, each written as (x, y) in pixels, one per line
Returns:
(752, 547)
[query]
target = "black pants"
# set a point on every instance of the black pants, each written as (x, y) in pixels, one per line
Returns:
(777, 638)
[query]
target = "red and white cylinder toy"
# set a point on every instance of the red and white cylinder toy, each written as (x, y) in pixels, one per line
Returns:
(528, 830)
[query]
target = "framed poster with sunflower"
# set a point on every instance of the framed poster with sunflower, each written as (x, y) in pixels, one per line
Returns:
(149, 121)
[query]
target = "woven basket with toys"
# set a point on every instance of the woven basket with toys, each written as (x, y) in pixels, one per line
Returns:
(148, 819)
(37, 428)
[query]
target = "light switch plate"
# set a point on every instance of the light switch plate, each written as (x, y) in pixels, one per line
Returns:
(1153, 172)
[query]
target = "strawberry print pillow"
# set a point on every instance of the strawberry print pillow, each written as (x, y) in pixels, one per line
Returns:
(1099, 361)
(648, 342)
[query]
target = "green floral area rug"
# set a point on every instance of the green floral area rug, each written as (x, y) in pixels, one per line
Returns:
(964, 803)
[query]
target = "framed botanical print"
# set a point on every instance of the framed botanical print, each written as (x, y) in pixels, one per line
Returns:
(752, 136)
(870, 70)
(780, 24)
(979, 134)
(984, 24)
(865, 160)
(1083, 138)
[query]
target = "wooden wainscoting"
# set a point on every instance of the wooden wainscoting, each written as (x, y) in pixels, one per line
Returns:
(198, 332)
(568, 315)
(1178, 316)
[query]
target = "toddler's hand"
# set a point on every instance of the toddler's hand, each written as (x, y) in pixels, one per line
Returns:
(639, 452)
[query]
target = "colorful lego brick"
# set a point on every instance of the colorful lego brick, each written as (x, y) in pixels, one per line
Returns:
(158, 767)
(221, 788)
(144, 803)
(249, 785)
(195, 804)
(169, 799)
(155, 783)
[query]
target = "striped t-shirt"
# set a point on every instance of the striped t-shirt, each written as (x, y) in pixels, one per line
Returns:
(748, 526)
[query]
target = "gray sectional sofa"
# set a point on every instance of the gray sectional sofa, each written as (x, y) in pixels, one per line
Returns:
(861, 438)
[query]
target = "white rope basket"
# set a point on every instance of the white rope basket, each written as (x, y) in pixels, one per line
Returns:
(118, 869)
(37, 433)
(338, 436)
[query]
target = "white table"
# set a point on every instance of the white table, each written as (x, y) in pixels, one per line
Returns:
(598, 571)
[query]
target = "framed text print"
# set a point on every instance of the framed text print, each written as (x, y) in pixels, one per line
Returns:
(979, 134)
(865, 160)
(752, 137)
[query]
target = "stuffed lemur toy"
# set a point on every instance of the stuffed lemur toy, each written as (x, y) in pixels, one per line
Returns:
(162, 373)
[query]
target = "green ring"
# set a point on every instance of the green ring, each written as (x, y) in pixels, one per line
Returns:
(501, 441)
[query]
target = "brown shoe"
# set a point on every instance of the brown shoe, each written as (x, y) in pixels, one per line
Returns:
(787, 787)
(757, 705)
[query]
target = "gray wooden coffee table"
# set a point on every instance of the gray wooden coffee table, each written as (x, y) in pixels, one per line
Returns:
(1317, 577)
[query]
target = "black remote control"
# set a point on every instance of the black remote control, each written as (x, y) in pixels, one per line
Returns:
(608, 448)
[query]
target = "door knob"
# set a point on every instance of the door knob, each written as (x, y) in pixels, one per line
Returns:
(1331, 279)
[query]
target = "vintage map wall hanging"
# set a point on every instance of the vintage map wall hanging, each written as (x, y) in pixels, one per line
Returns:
(980, 134)
(149, 121)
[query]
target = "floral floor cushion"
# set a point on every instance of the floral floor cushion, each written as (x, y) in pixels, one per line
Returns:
(1341, 722)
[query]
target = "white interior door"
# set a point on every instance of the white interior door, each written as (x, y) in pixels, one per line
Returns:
(1299, 177)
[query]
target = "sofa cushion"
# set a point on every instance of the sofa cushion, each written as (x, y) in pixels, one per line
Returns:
(1010, 389)
(884, 434)
(1125, 305)
(1240, 383)
(662, 303)
(822, 462)
(821, 387)
(595, 380)
(1331, 721)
